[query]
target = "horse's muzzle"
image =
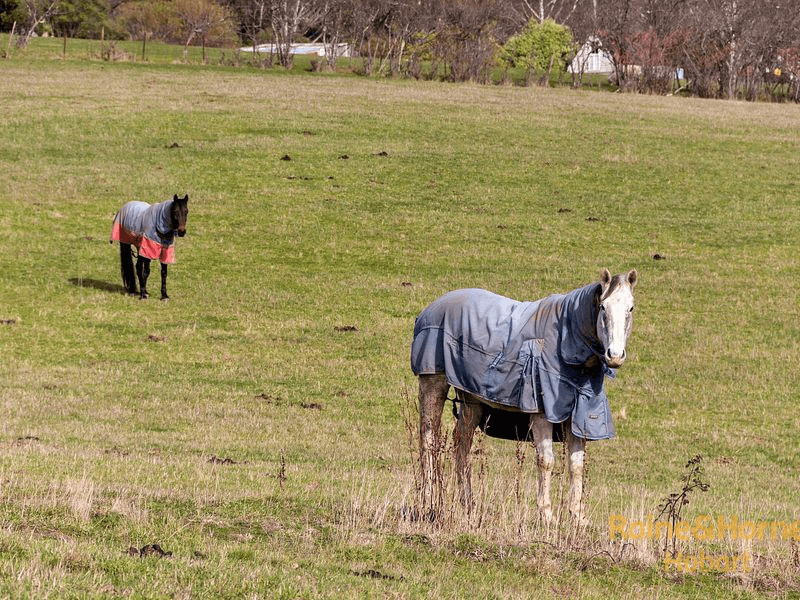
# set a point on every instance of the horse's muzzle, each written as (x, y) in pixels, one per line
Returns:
(181, 232)
(615, 361)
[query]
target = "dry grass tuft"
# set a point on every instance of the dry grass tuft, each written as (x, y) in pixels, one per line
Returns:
(505, 518)
(80, 494)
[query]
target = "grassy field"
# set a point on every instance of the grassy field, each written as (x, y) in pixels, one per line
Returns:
(259, 426)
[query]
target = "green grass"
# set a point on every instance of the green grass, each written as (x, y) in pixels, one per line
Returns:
(153, 54)
(113, 408)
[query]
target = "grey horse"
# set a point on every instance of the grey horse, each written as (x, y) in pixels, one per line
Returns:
(519, 368)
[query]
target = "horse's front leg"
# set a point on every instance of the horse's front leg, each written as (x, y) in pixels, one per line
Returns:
(432, 396)
(463, 434)
(545, 460)
(164, 282)
(143, 272)
(577, 453)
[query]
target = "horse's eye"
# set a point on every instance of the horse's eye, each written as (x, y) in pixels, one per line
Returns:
(631, 310)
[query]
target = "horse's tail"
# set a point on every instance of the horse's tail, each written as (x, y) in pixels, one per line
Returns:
(126, 266)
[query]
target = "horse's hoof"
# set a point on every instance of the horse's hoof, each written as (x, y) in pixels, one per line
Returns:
(144, 296)
(164, 298)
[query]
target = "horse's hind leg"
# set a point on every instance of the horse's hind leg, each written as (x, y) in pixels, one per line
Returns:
(164, 282)
(545, 459)
(468, 420)
(126, 267)
(143, 272)
(432, 396)
(577, 451)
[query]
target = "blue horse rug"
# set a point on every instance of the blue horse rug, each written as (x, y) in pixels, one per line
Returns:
(524, 357)
(148, 227)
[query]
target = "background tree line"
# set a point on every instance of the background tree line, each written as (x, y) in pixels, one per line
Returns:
(722, 48)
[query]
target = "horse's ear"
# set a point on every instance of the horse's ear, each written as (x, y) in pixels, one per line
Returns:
(605, 278)
(175, 197)
(633, 277)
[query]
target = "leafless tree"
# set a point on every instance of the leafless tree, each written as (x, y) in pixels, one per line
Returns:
(726, 21)
(465, 40)
(735, 44)
(643, 37)
(337, 22)
(560, 11)
(384, 31)
(203, 19)
(39, 12)
(149, 20)
(787, 70)
(616, 24)
(286, 17)
(253, 18)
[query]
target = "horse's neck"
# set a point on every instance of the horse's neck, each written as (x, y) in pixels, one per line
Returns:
(590, 304)
(593, 362)
(164, 219)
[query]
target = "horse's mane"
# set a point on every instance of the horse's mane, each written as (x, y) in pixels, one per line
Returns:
(616, 281)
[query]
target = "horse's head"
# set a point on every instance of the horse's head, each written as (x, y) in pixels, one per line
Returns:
(178, 213)
(615, 315)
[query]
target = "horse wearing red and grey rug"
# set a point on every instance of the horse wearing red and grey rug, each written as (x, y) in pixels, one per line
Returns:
(151, 229)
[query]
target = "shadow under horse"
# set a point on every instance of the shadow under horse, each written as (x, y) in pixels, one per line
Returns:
(151, 229)
(103, 286)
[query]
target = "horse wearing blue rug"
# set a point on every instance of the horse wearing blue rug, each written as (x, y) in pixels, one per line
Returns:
(518, 368)
(151, 229)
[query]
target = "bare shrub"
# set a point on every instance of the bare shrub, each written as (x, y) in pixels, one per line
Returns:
(109, 51)
(466, 55)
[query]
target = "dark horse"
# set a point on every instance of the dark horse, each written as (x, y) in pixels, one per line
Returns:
(152, 230)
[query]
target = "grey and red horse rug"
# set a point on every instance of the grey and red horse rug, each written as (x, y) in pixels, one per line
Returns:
(148, 227)
(523, 357)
